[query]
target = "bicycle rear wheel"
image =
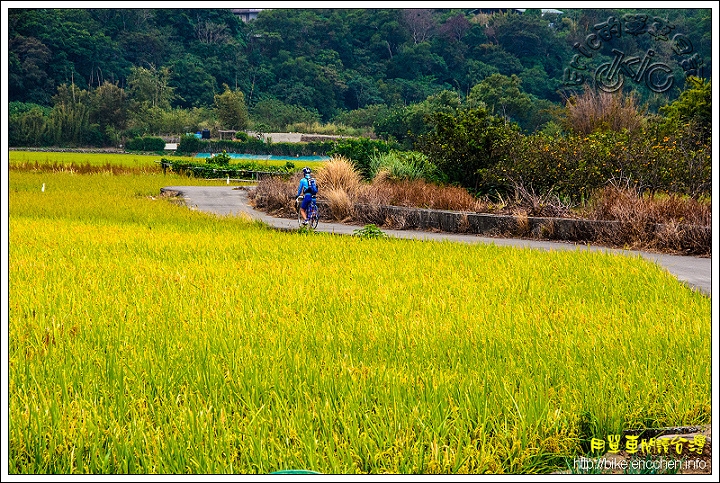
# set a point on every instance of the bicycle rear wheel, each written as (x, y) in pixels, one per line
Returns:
(314, 216)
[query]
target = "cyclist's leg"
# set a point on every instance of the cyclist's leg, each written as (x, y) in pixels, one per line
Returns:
(304, 208)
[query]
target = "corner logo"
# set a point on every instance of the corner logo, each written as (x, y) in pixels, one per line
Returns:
(642, 67)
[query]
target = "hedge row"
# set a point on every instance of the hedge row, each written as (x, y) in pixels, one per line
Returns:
(191, 144)
(145, 144)
(360, 150)
(212, 170)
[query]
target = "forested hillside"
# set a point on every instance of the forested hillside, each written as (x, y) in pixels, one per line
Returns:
(140, 71)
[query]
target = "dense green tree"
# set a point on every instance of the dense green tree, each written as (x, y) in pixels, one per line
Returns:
(192, 85)
(27, 74)
(275, 114)
(361, 90)
(529, 38)
(362, 118)
(495, 55)
(464, 143)
(414, 61)
(324, 60)
(475, 72)
(304, 82)
(150, 87)
(69, 120)
(27, 124)
(231, 109)
(694, 106)
(503, 97)
(109, 107)
(406, 124)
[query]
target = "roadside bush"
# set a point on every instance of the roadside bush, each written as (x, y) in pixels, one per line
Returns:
(574, 166)
(669, 223)
(221, 159)
(339, 203)
(463, 145)
(360, 151)
(624, 203)
(407, 165)
(417, 193)
(275, 195)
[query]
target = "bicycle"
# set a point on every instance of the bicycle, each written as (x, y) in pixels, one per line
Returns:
(313, 213)
(610, 76)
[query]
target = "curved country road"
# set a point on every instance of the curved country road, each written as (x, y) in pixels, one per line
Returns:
(232, 200)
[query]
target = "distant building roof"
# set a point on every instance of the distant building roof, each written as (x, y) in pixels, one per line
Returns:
(247, 14)
(543, 11)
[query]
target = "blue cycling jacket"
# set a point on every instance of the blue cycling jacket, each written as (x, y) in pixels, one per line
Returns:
(303, 186)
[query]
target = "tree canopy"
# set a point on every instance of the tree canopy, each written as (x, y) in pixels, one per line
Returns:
(157, 70)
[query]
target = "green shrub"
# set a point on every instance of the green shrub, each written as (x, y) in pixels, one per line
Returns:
(369, 232)
(360, 151)
(221, 159)
(220, 166)
(465, 144)
(145, 144)
(189, 144)
(409, 165)
(574, 166)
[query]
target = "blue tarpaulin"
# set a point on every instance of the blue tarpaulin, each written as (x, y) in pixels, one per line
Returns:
(268, 157)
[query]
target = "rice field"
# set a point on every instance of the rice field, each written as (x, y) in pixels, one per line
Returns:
(139, 163)
(27, 158)
(148, 338)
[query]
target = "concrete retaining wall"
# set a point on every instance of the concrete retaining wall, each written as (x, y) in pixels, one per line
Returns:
(688, 238)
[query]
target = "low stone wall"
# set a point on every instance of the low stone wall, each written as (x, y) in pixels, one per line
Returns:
(669, 238)
(689, 239)
(308, 138)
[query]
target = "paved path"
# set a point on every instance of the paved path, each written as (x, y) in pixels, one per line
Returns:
(229, 200)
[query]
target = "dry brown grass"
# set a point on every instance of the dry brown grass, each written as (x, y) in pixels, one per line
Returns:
(417, 193)
(592, 111)
(628, 204)
(339, 203)
(275, 195)
(339, 174)
(667, 223)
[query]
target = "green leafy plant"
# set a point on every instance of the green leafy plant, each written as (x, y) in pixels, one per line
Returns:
(369, 231)
(221, 159)
(404, 165)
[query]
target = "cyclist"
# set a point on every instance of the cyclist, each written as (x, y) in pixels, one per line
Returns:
(307, 189)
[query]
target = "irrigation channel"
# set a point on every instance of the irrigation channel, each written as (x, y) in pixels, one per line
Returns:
(696, 272)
